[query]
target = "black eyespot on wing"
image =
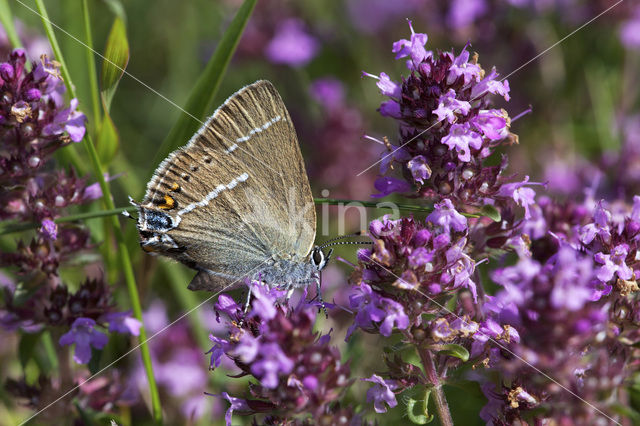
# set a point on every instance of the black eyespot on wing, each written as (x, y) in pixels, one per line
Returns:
(158, 221)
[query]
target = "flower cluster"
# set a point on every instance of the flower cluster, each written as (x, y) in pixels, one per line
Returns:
(298, 373)
(83, 313)
(410, 261)
(410, 274)
(447, 129)
(565, 333)
(35, 123)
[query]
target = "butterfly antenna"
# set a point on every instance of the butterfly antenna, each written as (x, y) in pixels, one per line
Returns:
(357, 234)
(339, 243)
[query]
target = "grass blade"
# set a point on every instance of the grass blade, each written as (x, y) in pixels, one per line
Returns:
(203, 93)
(6, 18)
(122, 250)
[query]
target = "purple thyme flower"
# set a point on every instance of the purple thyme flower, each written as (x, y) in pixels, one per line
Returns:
(371, 309)
(381, 393)
(67, 120)
(387, 185)
(328, 91)
(300, 374)
(419, 168)
(85, 336)
(122, 322)
(271, 363)
(445, 119)
(237, 404)
(49, 229)
(449, 106)
(445, 215)
(463, 13)
(413, 47)
(522, 195)
(614, 264)
(630, 31)
(292, 45)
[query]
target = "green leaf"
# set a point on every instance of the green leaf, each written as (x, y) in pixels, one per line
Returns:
(205, 89)
(117, 9)
(6, 18)
(108, 139)
(491, 212)
(454, 350)
(420, 419)
(116, 59)
(27, 345)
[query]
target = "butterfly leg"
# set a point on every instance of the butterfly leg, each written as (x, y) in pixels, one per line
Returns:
(246, 308)
(319, 294)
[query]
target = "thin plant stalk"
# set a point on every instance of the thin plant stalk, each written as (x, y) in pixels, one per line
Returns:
(91, 65)
(69, 154)
(442, 408)
(6, 18)
(122, 250)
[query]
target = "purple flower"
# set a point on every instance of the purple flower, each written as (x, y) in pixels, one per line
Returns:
(462, 138)
(236, 404)
(247, 348)
(292, 45)
(227, 305)
(85, 336)
(92, 192)
(489, 84)
(49, 229)
(599, 226)
(491, 123)
(387, 185)
(386, 85)
(394, 317)
(390, 108)
(419, 168)
(413, 47)
(270, 364)
(371, 309)
(68, 120)
(614, 264)
(630, 31)
(381, 393)
(463, 13)
(462, 67)
(522, 195)
(122, 322)
(264, 300)
(328, 91)
(445, 215)
(449, 106)
(572, 276)
(217, 351)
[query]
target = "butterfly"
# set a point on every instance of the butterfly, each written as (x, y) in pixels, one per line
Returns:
(235, 202)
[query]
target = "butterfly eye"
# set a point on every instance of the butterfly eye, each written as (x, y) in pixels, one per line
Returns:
(318, 258)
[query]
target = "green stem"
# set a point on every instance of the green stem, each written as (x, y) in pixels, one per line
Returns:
(50, 349)
(7, 22)
(69, 154)
(438, 394)
(91, 65)
(122, 250)
(12, 227)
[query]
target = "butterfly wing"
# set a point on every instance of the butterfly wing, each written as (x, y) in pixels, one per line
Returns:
(236, 196)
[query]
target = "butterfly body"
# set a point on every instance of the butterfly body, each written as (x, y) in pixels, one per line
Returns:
(235, 202)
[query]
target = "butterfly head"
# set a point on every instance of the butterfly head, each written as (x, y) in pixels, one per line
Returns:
(319, 258)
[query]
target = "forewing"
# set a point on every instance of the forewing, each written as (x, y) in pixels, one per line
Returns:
(237, 195)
